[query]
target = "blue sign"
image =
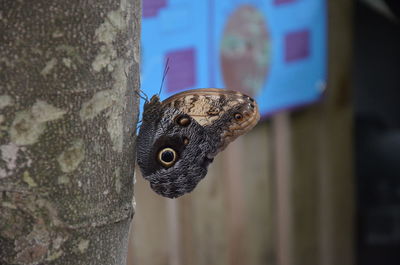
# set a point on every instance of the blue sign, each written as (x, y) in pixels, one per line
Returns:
(273, 50)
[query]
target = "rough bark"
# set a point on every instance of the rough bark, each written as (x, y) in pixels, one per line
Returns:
(68, 70)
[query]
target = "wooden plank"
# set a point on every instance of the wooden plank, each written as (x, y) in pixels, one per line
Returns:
(248, 195)
(282, 177)
(258, 240)
(233, 161)
(149, 231)
(174, 244)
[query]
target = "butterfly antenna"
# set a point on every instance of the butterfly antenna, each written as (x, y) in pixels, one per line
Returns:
(144, 96)
(166, 69)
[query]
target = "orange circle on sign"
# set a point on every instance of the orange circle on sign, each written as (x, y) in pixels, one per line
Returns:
(245, 51)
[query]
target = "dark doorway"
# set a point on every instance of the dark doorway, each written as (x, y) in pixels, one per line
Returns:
(377, 131)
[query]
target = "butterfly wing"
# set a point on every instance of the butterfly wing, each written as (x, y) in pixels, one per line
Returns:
(180, 136)
(171, 155)
(224, 112)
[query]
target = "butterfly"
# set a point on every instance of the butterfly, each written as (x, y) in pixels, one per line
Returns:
(180, 136)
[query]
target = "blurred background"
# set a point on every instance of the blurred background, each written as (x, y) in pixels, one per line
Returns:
(317, 181)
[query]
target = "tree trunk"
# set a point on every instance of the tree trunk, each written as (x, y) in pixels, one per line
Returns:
(68, 111)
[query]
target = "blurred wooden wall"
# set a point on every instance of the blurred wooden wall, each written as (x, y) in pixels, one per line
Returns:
(283, 194)
(227, 219)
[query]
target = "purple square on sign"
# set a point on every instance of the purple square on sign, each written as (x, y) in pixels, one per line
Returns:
(151, 7)
(182, 70)
(279, 2)
(297, 45)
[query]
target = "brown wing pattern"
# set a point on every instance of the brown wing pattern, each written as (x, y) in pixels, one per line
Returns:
(208, 104)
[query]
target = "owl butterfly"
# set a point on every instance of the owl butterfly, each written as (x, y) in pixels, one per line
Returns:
(180, 136)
